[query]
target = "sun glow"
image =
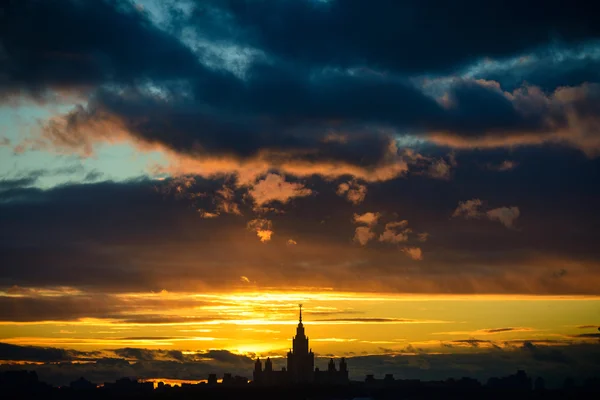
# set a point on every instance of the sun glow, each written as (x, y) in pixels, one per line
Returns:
(260, 322)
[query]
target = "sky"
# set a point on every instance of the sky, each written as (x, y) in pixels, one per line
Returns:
(177, 176)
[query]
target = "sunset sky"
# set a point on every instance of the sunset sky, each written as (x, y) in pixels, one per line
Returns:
(177, 176)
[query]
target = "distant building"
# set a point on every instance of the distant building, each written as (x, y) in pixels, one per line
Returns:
(82, 384)
(300, 366)
(332, 375)
(20, 380)
(126, 385)
(518, 381)
(212, 379)
(230, 380)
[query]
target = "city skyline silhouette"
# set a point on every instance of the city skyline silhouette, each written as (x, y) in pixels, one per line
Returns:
(298, 380)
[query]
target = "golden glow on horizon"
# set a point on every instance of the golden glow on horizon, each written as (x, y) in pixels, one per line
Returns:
(176, 382)
(262, 322)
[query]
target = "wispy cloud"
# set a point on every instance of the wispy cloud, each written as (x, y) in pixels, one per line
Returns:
(473, 209)
(381, 321)
(488, 331)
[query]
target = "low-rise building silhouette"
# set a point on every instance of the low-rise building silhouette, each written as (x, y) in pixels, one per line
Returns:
(518, 381)
(126, 385)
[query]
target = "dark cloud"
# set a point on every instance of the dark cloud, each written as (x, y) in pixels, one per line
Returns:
(42, 354)
(10, 352)
(8, 184)
(149, 355)
(83, 46)
(498, 330)
(546, 354)
(93, 176)
(157, 89)
(408, 36)
(228, 357)
(273, 109)
(30, 306)
(302, 110)
(589, 335)
(548, 67)
(214, 355)
(22, 309)
(162, 319)
(29, 178)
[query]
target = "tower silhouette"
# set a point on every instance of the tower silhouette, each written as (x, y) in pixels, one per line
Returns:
(301, 359)
(300, 365)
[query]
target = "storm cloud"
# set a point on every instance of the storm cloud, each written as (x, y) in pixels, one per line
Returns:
(164, 89)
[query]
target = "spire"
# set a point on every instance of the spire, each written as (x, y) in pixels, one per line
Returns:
(300, 305)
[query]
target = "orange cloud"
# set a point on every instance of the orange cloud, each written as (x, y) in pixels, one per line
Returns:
(395, 232)
(275, 188)
(206, 214)
(368, 218)
(354, 192)
(264, 235)
(363, 234)
(413, 252)
(80, 131)
(248, 171)
(573, 127)
(262, 227)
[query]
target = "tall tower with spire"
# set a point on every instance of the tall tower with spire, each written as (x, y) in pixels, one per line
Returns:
(300, 365)
(301, 359)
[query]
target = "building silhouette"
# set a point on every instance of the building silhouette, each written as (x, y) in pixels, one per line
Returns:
(300, 365)
(518, 381)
